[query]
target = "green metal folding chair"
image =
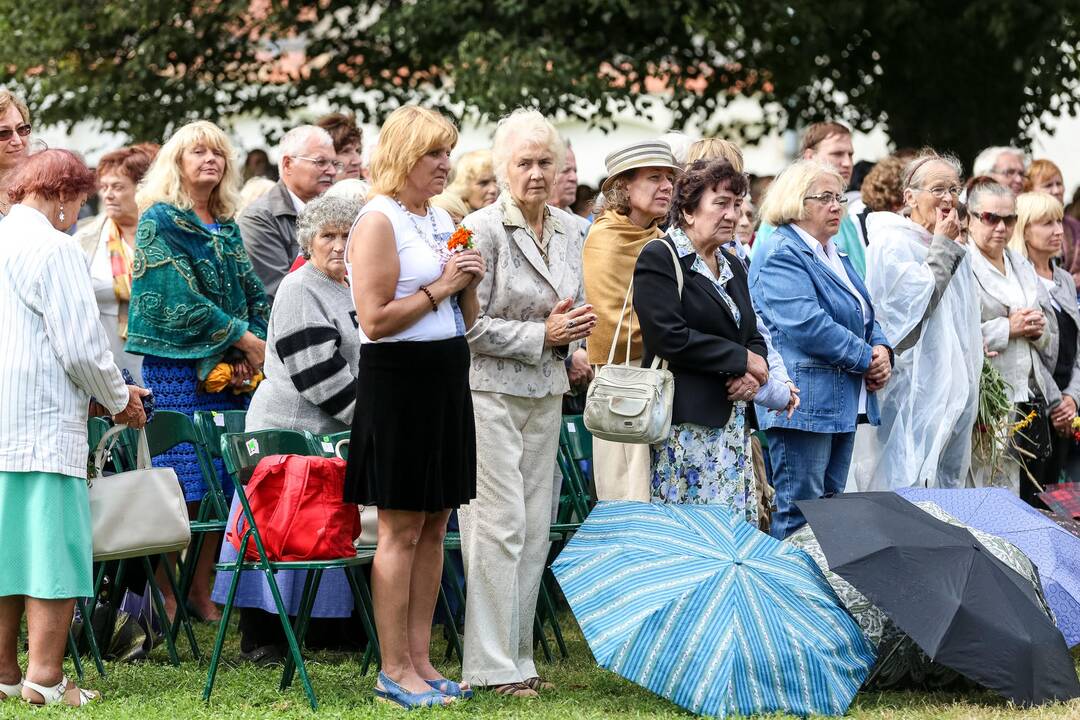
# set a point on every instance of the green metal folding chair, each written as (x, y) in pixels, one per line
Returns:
(241, 452)
(167, 430)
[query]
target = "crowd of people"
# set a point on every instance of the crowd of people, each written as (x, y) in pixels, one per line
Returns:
(826, 328)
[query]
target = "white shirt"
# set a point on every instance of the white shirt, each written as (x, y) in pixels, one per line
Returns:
(829, 256)
(56, 354)
(296, 201)
(418, 265)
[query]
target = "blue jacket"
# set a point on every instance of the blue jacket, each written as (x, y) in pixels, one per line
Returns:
(817, 327)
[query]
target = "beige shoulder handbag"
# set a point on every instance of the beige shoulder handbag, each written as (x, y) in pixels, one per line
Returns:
(632, 404)
(136, 513)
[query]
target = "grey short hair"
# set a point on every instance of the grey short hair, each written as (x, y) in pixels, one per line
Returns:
(323, 211)
(986, 160)
(916, 170)
(982, 190)
(524, 126)
(294, 141)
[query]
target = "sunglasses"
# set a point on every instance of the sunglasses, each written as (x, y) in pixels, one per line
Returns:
(992, 219)
(23, 130)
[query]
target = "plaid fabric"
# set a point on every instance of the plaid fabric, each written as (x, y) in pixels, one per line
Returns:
(1063, 499)
(1070, 525)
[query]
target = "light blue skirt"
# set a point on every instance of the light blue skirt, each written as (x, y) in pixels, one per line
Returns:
(46, 545)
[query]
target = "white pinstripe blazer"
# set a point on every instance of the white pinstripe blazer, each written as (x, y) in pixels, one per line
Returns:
(56, 354)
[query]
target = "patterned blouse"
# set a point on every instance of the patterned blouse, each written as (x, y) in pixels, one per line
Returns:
(685, 246)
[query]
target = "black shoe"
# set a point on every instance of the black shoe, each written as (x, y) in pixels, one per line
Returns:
(264, 655)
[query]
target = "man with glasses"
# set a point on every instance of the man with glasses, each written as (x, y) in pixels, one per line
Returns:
(1004, 164)
(308, 166)
(830, 144)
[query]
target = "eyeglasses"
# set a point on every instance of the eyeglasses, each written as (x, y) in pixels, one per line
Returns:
(828, 198)
(940, 190)
(992, 219)
(23, 130)
(1008, 172)
(322, 163)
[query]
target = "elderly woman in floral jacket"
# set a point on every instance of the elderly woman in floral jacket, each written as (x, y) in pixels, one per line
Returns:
(531, 314)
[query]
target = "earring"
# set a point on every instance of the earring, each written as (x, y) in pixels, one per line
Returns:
(61, 215)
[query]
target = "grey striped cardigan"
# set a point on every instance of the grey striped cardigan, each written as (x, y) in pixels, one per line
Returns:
(312, 353)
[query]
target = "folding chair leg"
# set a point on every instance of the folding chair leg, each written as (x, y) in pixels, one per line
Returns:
(303, 615)
(223, 626)
(454, 641)
(91, 639)
(538, 634)
(552, 618)
(362, 599)
(182, 618)
(290, 637)
(188, 566)
(73, 648)
(159, 607)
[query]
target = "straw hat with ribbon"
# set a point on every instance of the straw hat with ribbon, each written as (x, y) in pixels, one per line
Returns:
(642, 154)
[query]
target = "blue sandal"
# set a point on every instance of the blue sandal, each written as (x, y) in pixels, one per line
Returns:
(451, 688)
(394, 693)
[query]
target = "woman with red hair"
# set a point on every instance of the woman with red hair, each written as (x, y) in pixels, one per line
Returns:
(57, 358)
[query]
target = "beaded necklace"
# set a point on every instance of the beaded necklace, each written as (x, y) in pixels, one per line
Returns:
(442, 252)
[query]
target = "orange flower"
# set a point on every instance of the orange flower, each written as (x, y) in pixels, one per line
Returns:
(460, 240)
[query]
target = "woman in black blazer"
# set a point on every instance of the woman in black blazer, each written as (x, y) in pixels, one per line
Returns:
(709, 338)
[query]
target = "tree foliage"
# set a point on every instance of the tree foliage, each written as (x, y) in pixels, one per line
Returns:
(959, 74)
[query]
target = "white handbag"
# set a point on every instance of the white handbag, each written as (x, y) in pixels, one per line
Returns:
(139, 512)
(631, 404)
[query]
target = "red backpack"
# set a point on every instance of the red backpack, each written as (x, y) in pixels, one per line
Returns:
(297, 503)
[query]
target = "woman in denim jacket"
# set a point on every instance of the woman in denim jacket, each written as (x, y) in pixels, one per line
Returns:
(822, 322)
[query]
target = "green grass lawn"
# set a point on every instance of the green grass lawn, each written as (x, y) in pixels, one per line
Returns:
(155, 690)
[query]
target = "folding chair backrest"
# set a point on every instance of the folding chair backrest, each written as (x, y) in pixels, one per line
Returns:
(242, 451)
(327, 445)
(210, 425)
(575, 437)
(169, 429)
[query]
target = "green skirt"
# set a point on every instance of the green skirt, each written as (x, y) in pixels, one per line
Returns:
(45, 536)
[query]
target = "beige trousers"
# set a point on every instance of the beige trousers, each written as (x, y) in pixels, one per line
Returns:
(504, 533)
(622, 470)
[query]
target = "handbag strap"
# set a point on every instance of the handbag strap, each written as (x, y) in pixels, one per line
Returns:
(108, 441)
(626, 302)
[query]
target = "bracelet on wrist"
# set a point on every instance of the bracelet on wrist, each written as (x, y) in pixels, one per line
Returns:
(431, 298)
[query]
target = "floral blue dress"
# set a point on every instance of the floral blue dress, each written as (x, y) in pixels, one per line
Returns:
(697, 464)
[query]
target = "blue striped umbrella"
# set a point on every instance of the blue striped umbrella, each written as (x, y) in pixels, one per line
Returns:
(699, 607)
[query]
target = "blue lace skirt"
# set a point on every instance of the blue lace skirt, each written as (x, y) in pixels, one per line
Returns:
(174, 385)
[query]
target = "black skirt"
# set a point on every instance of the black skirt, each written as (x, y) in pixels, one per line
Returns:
(413, 442)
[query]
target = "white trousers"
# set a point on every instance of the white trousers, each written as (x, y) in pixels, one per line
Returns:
(504, 533)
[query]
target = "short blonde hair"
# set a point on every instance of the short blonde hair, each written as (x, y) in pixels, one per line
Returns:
(409, 133)
(785, 199)
(713, 149)
(467, 169)
(524, 126)
(164, 181)
(452, 204)
(1033, 207)
(8, 98)
(254, 189)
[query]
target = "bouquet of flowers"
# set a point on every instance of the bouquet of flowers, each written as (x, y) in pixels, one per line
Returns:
(992, 433)
(460, 240)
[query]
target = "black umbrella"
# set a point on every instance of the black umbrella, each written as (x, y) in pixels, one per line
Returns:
(960, 604)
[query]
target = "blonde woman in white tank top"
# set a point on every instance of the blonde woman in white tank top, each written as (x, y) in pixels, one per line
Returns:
(413, 449)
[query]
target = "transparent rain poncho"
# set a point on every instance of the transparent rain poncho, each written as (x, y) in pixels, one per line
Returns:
(929, 406)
